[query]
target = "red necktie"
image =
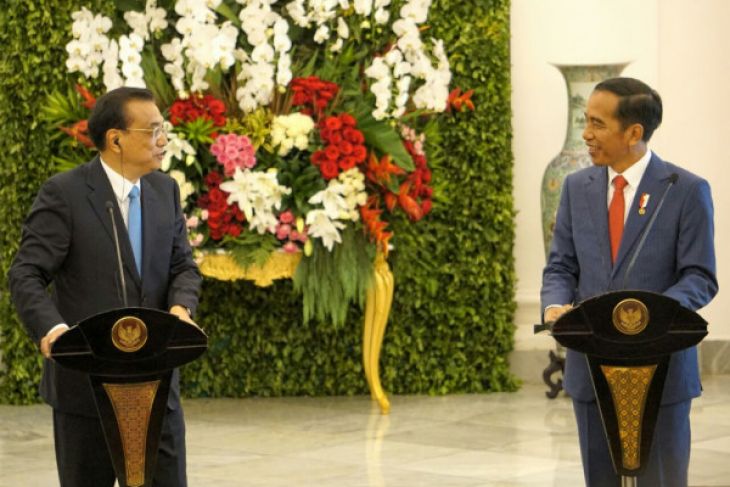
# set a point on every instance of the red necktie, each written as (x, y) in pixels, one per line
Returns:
(616, 215)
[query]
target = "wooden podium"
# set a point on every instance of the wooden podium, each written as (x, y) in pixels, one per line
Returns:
(129, 355)
(628, 337)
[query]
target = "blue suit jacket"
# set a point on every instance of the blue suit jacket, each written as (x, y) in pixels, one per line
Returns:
(678, 258)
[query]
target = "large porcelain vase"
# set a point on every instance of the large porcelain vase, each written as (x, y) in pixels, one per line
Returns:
(580, 80)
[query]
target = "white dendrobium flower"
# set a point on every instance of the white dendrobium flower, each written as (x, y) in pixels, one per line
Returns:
(138, 23)
(186, 187)
(331, 198)
(257, 194)
(364, 7)
(343, 30)
(322, 34)
(382, 15)
(319, 225)
(416, 10)
(342, 196)
(176, 148)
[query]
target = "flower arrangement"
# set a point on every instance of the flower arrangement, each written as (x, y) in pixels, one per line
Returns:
(300, 126)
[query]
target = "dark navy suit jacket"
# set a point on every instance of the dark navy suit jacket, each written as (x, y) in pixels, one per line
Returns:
(67, 243)
(678, 258)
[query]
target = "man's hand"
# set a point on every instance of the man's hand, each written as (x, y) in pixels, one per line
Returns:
(182, 313)
(552, 314)
(50, 338)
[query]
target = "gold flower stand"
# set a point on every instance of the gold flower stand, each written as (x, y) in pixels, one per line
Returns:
(281, 265)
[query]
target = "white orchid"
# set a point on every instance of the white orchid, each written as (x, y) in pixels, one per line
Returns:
(323, 227)
(257, 194)
(176, 148)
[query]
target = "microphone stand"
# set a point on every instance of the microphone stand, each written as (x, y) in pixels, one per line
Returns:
(110, 209)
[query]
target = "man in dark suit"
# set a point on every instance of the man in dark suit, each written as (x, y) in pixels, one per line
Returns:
(68, 243)
(603, 211)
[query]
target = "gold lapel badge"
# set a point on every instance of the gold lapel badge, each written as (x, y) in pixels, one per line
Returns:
(643, 201)
(129, 334)
(630, 316)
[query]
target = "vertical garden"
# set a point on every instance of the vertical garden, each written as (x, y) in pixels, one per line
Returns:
(451, 325)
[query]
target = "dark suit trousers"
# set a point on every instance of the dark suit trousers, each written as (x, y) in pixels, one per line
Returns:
(83, 459)
(669, 458)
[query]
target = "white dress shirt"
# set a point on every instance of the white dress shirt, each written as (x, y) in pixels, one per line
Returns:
(633, 177)
(121, 187)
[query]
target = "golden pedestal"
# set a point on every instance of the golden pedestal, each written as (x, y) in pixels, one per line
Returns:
(281, 265)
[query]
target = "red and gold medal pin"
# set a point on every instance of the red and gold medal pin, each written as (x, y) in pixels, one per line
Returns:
(643, 201)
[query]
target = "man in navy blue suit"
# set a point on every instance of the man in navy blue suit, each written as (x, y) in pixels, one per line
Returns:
(603, 211)
(68, 243)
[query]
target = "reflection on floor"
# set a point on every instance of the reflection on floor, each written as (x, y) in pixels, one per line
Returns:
(521, 439)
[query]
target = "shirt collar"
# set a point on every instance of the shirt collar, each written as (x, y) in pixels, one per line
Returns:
(120, 185)
(633, 174)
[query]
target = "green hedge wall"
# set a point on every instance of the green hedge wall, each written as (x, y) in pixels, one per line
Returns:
(451, 327)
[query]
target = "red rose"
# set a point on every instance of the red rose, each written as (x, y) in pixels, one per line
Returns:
(333, 123)
(347, 163)
(353, 135)
(348, 119)
(325, 134)
(213, 179)
(318, 157)
(335, 139)
(345, 147)
(216, 107)
(329, 169)
(332, 152)
(234, 230)
(359, 153)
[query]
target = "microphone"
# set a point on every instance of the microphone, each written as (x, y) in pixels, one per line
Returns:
(672, 180)
(110, 209)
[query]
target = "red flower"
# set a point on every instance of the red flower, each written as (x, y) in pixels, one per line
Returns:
(333, 123)
(79, 131)
(206, 107)
(426, 207)
(345, 148)
(359, 153)
(347, 163)
(89, 99)
(313, 94)
(348, 119)
(329, 169)
(353, 135)
(332, 152)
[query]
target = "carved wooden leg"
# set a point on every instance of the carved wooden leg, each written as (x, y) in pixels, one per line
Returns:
(557, 365)
(377, 309)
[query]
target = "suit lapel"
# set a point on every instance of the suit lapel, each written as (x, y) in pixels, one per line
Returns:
(652, 183)
(150, 202)
(596, 195)
(100, 191)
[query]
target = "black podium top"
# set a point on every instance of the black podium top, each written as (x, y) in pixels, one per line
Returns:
(129, 342)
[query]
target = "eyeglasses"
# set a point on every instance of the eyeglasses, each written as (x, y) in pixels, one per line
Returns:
(156, 132)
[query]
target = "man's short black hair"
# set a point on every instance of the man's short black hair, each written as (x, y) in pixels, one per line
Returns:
(638, 103)
(109, 112)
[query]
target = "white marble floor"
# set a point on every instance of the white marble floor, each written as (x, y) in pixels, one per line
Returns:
(520, 439)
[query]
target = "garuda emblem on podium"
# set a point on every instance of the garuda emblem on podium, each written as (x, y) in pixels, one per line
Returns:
(129, 334)
(630, 316)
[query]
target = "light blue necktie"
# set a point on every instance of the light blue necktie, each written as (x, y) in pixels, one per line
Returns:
(134, 227)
